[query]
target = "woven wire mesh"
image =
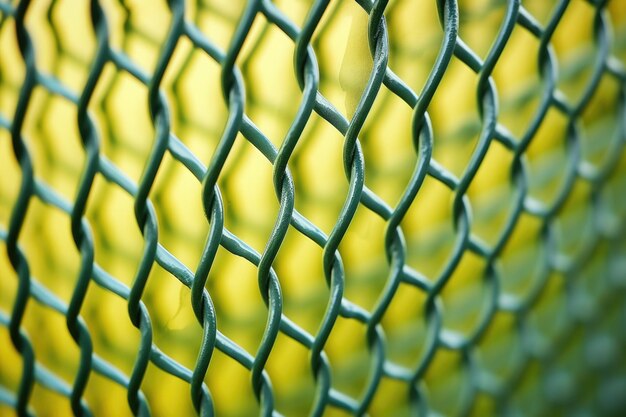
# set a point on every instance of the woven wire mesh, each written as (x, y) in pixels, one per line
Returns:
(390, 208)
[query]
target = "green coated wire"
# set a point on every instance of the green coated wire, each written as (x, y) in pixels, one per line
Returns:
(240, 127)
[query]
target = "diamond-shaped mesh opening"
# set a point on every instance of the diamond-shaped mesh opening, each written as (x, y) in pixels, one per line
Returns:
(326, 208)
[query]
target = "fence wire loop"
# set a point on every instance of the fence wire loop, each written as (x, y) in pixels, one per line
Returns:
(453, 52)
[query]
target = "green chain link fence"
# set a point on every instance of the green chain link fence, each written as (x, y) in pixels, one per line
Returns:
(410, 207)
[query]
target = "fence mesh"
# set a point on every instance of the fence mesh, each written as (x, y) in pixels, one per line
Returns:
(410, 207)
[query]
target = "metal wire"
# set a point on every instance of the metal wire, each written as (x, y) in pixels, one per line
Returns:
(582, 309)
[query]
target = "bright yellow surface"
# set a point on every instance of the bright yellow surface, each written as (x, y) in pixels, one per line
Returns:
(120, 107)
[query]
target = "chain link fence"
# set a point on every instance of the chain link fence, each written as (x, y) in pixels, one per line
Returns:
(409, 207)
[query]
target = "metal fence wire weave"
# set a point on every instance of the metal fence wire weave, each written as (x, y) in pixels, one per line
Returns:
(409, 207)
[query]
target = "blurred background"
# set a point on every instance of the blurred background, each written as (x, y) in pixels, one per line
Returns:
(551, 301)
